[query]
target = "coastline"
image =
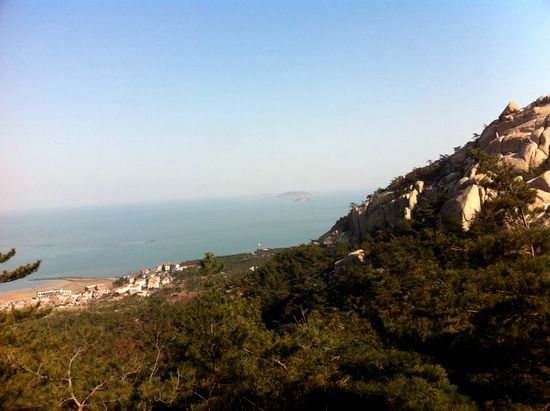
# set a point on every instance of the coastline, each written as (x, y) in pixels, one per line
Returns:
(68, 278)
(67, 283)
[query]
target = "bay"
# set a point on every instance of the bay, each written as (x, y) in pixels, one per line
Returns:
(114, 240)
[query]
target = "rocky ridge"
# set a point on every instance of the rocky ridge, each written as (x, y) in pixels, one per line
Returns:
(519, 137)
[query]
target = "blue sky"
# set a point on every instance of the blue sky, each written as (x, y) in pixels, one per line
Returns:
(129, 101)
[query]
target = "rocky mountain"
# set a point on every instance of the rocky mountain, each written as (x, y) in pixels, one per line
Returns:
(519, 137)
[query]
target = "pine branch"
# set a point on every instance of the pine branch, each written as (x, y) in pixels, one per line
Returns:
(5, 257)
(19, 272)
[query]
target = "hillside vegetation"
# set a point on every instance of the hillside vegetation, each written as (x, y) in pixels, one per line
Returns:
(455, 185)
(434, 318)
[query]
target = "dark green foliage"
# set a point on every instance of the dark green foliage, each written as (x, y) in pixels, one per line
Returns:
(414, 328)
(121, 281)
(210, 265)
(427, 174)
(434, 319)
(511, 207)
(19, 272)
(291, 284)
(6, 256)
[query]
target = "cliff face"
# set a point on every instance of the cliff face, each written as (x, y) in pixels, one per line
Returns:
(519, 137)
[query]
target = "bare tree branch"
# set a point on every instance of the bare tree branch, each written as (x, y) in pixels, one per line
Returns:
(70, 379)
(37, 372)
(280, 363)
(157, 358)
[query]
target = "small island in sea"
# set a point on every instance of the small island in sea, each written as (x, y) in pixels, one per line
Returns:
(301, 196)
(159, 251)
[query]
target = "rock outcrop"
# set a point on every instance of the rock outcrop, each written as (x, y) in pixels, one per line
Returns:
(354, 258)
(519, 137)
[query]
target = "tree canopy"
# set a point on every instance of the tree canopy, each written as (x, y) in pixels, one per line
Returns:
(435, 318)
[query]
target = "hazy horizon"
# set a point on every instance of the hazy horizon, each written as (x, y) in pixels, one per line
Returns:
(123, 103)
(114, 240)
(357, 195)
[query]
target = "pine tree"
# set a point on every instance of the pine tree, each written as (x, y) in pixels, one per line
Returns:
(19, 272)
(209, 265)
(512, 206)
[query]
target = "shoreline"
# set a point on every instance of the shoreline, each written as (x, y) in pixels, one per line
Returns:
(68, 278)
(67, 283)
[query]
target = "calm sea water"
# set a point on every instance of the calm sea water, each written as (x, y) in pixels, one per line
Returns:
(114, 240)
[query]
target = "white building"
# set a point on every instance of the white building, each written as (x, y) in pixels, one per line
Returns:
(141, 282)
(121, 290)
(133, 289)
(53, 293)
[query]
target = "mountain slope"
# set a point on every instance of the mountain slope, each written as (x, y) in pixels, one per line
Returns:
(451, 185)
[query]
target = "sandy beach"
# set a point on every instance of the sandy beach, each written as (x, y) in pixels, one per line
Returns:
(73, 284)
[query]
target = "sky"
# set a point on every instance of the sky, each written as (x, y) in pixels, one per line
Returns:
(106, 102)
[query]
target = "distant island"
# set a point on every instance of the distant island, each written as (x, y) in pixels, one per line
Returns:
(297, 195)
(397, 307)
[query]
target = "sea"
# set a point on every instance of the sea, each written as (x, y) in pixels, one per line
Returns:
(109, 241)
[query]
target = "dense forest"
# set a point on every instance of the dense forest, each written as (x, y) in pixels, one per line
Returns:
(435, 318)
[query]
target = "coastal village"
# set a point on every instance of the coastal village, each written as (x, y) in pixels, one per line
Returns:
(143, 283)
